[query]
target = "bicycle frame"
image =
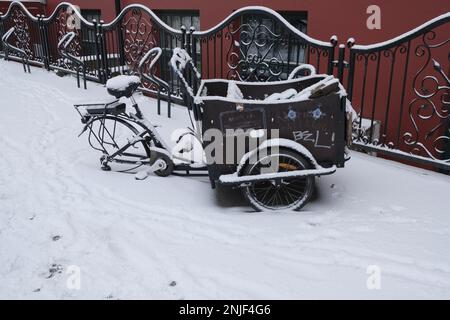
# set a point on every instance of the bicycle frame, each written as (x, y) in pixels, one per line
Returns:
(147, 133)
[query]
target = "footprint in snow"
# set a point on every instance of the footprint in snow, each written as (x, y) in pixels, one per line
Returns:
(56, 238)
(313, 224)
(54, 269)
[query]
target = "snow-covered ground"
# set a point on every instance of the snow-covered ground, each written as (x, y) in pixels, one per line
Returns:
(132, 239)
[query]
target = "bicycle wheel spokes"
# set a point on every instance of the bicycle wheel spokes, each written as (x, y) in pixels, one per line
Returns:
(279, 193)
(110, 135)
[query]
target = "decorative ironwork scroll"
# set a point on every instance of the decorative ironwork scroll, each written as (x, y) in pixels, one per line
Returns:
(67, 21)
(255, 51)
(140, 35)
(257, 44)
(22, 31)
(401, 91)
(431, 103)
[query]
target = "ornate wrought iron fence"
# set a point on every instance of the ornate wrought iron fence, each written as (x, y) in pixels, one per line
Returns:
(401, 91)
(400, 88)
(66, 18)
(257, 44)
(27, 33)
(252, 44)
(130, 36)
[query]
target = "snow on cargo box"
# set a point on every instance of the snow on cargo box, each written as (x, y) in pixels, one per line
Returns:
(310, 111)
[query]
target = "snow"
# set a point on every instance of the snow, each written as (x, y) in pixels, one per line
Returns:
(233, 91)
(285, 95)
(153, 16)
(292, 94)
(8, 34)
(311, 68)
(74, 9)
(121, 82)
(179, 59)
(235, 179)
(131, 239)
(65, 38)
(396, 151)
(22, 8)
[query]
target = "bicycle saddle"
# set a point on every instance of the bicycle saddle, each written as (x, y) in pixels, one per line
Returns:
(123, 86)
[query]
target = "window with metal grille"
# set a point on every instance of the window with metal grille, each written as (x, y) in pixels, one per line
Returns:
(272, 45)
(88, 36)
(91, 14)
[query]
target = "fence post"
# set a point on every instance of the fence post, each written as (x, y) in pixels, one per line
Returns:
(46, 43)
(188, 42)
(193, 53)
(1, 31)
(97, 51)
(331, 62)
(183, 46)
(43, 40)
(341, 62)
(121, 45)
(183, 37)
(351, 69)
(103, 52)
(188, 49)
(193, 45)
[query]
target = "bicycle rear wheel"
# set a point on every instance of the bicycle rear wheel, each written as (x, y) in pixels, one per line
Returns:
(109, 134)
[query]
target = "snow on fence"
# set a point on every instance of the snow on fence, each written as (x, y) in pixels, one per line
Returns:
(401, 91)
(400, 88)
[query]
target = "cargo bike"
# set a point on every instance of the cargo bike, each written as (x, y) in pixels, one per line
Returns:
(269, 139)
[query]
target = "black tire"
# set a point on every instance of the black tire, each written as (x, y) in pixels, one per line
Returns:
(111, 142)
(169, 166)
(291, 194)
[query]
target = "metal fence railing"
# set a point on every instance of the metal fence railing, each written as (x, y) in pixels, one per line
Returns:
(399, 88)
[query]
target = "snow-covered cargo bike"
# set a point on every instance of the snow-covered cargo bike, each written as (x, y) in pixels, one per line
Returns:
(301, 126)
(269, 139)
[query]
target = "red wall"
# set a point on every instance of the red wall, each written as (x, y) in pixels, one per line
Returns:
(345, 18)
(34, 7)
(106, 6)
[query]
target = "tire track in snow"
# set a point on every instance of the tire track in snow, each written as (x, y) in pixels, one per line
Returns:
(42, 141)
(66, 194)
(81, 203)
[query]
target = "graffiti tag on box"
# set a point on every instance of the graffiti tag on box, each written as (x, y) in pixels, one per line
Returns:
(320, 140)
